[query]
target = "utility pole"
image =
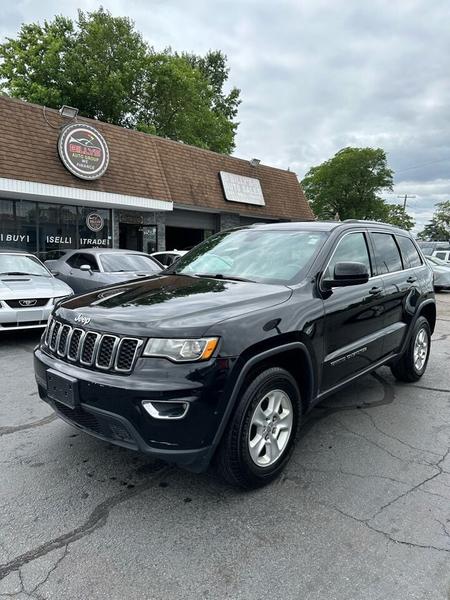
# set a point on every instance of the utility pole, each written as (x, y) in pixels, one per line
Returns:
(405, 198)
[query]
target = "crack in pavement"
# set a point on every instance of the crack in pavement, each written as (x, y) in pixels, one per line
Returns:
(388, 536)
(50, 571)
(367, 523)
(322, 411)
(14, 428)
(96, 520)
(383, 449)
(392, 437)
(424, 387)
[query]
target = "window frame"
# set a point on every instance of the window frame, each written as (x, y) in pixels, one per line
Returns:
(397, 236)
(375, 255)
(335, 247)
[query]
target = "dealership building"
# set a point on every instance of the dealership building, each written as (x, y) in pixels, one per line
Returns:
(70, 182)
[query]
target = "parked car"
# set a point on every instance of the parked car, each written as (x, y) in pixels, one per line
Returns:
(28, 291)
(219, 358)
(429, 248)
(443, 255)
(86, 270)
(169, 257)
(441, 273)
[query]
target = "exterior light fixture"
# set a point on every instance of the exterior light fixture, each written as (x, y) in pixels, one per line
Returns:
(69, 112)
(255, 162)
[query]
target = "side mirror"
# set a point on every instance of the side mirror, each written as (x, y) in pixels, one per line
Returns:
(347, 273)
(54, 273)
(85, 268)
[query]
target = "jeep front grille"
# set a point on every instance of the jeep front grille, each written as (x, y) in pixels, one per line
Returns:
(92, 349)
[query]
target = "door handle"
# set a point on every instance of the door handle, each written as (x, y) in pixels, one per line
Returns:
(375, 290)
(411, 279)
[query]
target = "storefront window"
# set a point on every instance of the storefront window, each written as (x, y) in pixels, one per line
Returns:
(57, 229)
(48, 228)
(94, 227)
(18, 224)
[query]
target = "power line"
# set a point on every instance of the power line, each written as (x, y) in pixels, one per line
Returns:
(434, 162)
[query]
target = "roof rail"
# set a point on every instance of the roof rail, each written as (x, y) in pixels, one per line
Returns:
(370, 222)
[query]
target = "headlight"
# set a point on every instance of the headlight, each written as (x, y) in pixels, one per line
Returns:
(60, 299)
(181, 350)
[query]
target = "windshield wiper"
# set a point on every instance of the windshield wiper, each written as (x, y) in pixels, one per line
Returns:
(221, 276)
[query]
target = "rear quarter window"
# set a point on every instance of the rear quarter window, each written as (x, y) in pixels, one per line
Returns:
(411, 257)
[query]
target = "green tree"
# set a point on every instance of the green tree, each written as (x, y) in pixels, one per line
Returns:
(438, 230)
(348, 185)
(176, 101)
(102, 65)
(396, 215)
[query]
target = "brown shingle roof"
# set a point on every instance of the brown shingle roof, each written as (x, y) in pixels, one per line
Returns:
(140, 165)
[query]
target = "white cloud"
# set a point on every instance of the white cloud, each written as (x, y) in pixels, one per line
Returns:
(315, 75)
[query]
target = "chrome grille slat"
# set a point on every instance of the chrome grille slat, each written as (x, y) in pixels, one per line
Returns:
(105, 352)
(61, 347)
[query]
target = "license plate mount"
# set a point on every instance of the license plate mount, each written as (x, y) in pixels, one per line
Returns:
(62, 389)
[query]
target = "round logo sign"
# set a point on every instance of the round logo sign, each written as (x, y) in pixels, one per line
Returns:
(95, 222)
(83, 151)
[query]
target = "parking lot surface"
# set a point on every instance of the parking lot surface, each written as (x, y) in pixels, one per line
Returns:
(362, 511)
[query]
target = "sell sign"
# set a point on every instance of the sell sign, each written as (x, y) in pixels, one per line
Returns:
(83, 151)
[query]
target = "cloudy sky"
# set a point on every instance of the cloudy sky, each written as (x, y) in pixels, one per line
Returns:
(315, 76)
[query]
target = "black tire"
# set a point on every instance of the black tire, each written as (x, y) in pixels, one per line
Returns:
(404, 369)
(234, 461)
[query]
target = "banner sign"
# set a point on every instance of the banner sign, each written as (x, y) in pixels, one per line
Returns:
(238, 188)
(83, 151)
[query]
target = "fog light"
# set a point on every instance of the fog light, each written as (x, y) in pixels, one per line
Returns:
(166, 409)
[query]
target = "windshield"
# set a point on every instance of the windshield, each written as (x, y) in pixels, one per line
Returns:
(266, 256)
(119, 263)
(20, 264)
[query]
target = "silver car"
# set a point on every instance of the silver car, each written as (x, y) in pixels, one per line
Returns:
(28, 291)
(86, 270)
(441, 273)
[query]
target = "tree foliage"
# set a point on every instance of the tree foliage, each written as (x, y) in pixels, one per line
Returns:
(102, 65)
(438, 230)
(396, 215)
(348, 185)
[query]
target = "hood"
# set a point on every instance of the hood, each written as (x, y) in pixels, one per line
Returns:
(30, 286)
(170, 305)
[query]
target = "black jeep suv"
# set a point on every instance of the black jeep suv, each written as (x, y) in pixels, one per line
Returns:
(221, 355)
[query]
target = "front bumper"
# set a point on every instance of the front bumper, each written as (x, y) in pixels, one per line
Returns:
(13, 319)
(110, 406)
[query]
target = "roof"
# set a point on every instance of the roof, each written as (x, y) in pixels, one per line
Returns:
(103, 251)
(140, 165)
(326, 225)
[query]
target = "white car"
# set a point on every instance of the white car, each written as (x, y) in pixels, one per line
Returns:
(28, 291)
(169, 257)
(441, 273)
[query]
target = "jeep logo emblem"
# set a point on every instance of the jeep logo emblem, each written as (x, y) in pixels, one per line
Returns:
(82, 319)
(26, 303)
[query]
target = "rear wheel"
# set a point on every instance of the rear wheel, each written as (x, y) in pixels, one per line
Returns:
(413, 363)
(262, 432)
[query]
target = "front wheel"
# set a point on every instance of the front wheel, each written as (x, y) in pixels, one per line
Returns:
(413, 363)
(262, 432)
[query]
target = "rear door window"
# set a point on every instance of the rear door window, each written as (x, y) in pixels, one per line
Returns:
(411, 258)
(387, 253)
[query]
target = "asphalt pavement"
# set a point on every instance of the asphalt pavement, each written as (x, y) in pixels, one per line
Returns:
(361, 513)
